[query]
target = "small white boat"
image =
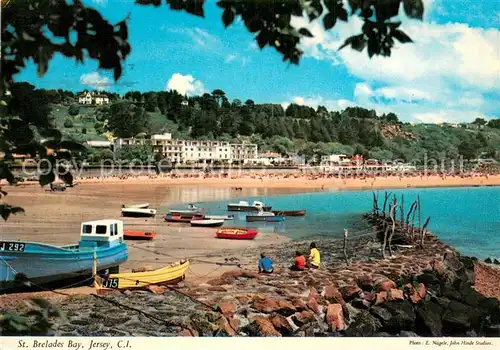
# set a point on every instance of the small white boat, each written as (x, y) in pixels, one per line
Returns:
(136, 206)
(207, 223)
(245, 206)
(138, 212)
(219, 217)
(191, 209)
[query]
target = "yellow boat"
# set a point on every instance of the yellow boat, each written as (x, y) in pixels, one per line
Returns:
(140, 280)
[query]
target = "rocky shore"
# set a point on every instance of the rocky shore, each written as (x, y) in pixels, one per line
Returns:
(419, 292)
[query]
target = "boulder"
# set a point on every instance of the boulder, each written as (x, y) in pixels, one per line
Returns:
(382, 314)
(370, 297)
(361, 304)
(301, 318)
(270, 304)
(313, 293)
(428, 321)
(407, 334)
(349, 292)
(403, 316)
(298, 303)
(365, 325)
(333, 295)
(227, 308)
(366, 283)
(156, 289)
(395, 294)
(385, 285)
(261, 327)
(335, 317)
(225, 328)
(459, 317)
(488, 261)
(281, 324)
(312, 304)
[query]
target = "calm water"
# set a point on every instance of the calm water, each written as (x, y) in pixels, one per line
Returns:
(466, 218)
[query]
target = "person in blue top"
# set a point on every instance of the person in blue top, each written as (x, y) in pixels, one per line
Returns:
(265, 264)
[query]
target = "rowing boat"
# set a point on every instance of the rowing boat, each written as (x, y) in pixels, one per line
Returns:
(140, 235)
(187, 218)
(236, 233)
(207, 223)
(301, 212)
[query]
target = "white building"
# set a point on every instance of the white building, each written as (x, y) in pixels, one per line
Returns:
(193, 151)
(99, 144)
(91, 98)
(334, 159)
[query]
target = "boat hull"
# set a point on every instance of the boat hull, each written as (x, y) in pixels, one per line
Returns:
(136, 206)
(264, 218)
(236, 233)
(289, 212)
(247, 208)
(182, 218)
(138, 213)
(185, 212)
(219, 217)
(207, 223)
(43, 263)
(140, 280)
(139, 235)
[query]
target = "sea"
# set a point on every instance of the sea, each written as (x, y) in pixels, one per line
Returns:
(467, 218)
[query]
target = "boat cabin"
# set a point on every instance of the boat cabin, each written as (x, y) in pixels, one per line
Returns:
(101, 233)
(257, 204)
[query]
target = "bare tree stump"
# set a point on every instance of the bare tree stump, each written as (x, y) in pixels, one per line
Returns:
(392, 213)
(346, 232)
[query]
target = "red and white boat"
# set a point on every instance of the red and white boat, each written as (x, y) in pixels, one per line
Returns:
(236, 233)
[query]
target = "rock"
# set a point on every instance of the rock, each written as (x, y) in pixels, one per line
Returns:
(381, 297)
(403, 316)
(349, 292)
(228, 308)
(366, 283)
(395, 294)
(243, 299)
(235, 323)
(298, 303)
(217, 282)
(217, 289)
(361, 304)
(157, 289)
(370, 297)
(271, 304)
(261, 327)
(496, 262)
(226, 327)
(385, 286)
(188, 332)
(428, 278)
(459, 317)
(313, 293)
(407, 334)
(312, 304)
(335, 317)
(429, 318)
(488, 261)
(301, 318)
(382, 314)
(281, 324)
(365, 325)
(235, 274)
(333, 295)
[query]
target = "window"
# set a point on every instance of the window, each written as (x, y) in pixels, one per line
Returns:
(87, 229)
(112, 230)
(101, 229)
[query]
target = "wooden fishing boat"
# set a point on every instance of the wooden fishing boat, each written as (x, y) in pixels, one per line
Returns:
(191, 209)
(245, 206)
(139, 280)
(187, 218)
(136, 206)
(207, 223)
(138, 212)
(266, 217)
(42, 263)
(139, 235)
(219, 217)
(301, 212)
(236, 233)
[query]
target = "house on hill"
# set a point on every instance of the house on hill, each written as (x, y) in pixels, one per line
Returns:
(92, 98)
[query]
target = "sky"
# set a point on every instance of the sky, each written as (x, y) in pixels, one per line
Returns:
(451, 72)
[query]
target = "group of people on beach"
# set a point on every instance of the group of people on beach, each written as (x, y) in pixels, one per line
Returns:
(300, 262)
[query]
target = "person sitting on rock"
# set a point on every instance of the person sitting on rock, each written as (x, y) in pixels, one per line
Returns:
(314, 257)
(265, 264)
(299, 262)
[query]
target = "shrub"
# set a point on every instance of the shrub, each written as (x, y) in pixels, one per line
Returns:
(68, 123)
(73, 110)
(84, 131)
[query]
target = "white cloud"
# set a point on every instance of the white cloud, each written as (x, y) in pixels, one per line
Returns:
(185, 84)
(243, 60)
(443, 75)
(95, 80)
(230, 58)
(199, 36)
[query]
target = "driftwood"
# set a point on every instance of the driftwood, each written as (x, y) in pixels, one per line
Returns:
(403, 211)
(375, 203)
(412, 207)
(424, 229)
(346, 232)
(419, 214)
(392, 214)
(387, 195)
(384, 243)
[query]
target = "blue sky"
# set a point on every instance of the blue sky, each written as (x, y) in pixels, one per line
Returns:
(451, 72)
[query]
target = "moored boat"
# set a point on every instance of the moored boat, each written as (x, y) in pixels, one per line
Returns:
(245, 206)
(141, 235)
(266, 217)
(187, 218)
(42, 263)
(139, 280)
(191, 209)
(136, 206)
(138, 212)
(236, 233)
(219, 217)
(301, 212)
(207, 223)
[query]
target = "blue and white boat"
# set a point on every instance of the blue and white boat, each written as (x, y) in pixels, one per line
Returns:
(265, 216)
(41, 263)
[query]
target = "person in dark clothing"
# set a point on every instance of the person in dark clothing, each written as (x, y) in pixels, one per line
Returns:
(265, 264)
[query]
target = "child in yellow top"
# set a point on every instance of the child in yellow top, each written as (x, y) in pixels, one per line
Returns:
(314, 256)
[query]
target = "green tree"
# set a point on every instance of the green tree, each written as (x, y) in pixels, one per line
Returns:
(73, 110)
(68, 123)
(480, 122)
(127, 120)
